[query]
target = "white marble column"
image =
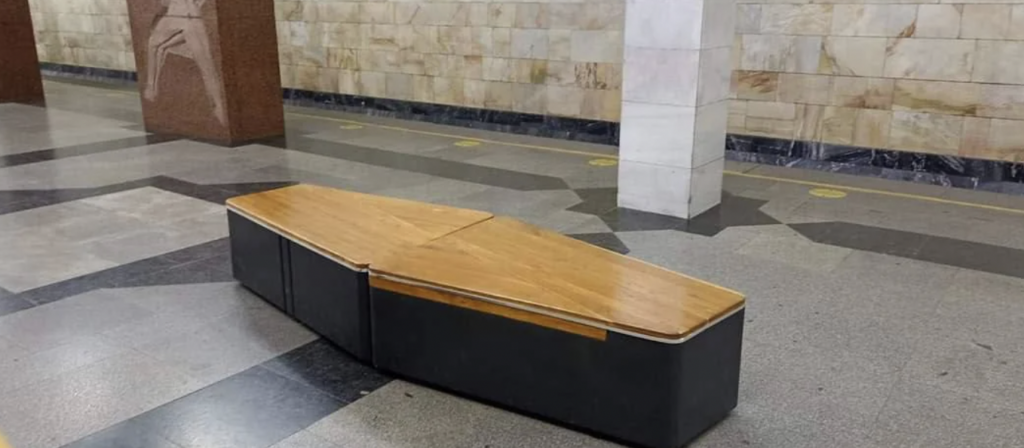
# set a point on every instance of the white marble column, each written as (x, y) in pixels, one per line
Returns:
(675, 104)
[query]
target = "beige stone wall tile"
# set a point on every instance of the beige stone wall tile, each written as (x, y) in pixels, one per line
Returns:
(474, 92)
(1017, 22)
(348, 82)
(934, 59)
(603, 105)
(748, 19)
(565, 15)
(501, 42)
(597, 46)
(874, 20)
(306, 77)
(852, 56)
(922, 132)
(764, 109)
(499, 95)
(768, 127)
(559, 45)
(564, 101)
(449, 91)
(377, 13)
(736, 124)
(594, 75)
(755, 85)
(561, 73)
(604, 16)
(985, 22)
(865, 93)
(498, 69)
(974, 137)
(529, 43)
(529, 98)
(811, 19)
(399, 86)
(776, 53)
(871, 129)
(999, 62)
(477, 14)
(951, 98)
(342, 12)
(941, 21)
(1006, 141)
(807, 126)
(837, 125)
(805, 89)
(531, 15)
(501, 15)
(1001, 101)
(529, 71)
(423, 89)
(343, 58)
(372, 84)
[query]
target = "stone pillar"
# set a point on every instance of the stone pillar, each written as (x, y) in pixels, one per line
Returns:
(20, 80)
(208, 69)
(675, 104)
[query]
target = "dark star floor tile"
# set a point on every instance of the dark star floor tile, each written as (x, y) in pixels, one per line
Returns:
(329, 369)
(218, 247)
(734, 211)
(975, 256)
(64, 152)
(211, 270)
(255, 408)
(128, 434)
(596, 201)
(866, 238)
(10, 304)
(606, 240)
(628, 220)
(67, 288)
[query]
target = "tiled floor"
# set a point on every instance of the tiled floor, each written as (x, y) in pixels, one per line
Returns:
(891, 317)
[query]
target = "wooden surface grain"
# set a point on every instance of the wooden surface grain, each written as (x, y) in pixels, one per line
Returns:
(522, 265)
(353, 227)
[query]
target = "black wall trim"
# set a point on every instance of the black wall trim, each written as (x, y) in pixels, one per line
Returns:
(593, 131)
(950, 171)
(87, 73)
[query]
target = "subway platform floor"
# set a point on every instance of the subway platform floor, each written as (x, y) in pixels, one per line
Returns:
(880, 313)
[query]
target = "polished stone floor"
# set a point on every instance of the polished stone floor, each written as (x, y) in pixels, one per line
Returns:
(880, 314)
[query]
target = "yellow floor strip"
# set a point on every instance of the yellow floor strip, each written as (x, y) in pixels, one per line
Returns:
(727, 172)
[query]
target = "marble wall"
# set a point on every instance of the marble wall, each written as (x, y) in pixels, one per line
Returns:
(555, 57)
(91, 33)
(925, 76)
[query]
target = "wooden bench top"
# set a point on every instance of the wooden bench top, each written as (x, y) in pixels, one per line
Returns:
(355, 228)
(524, 267)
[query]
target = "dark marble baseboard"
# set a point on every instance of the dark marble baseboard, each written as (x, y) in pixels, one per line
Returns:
(88, 73)
(950, 171)
(593, 131)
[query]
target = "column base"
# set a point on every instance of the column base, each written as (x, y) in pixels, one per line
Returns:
(668, 190)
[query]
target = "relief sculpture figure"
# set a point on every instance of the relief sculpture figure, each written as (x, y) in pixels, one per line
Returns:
(179, 29)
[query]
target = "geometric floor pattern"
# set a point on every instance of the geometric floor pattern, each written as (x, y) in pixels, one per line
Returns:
(876, 319)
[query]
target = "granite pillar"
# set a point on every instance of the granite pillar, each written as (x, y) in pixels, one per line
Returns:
(208, 69)
(20, 80)
(675, 104)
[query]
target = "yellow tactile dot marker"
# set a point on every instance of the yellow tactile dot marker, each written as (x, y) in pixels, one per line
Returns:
(604, 162)
(3, 442)
(828, 193)
(351, 127)
(467, 143)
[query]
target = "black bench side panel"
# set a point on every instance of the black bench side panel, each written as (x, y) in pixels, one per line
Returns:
(257, 259)
(332, 300)
(624, 388)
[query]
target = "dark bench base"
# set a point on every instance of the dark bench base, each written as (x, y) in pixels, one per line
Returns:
(326, 296)
(626, 388)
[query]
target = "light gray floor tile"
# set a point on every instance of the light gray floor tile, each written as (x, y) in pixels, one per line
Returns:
(752, 426)
(796, 251)
(153, 205)
(440, 191)
(983, 308)
(304, 439)
(232, 343)
(918, 415)
(21, 370)
(60, 322)
(405, 415)
(62, 409)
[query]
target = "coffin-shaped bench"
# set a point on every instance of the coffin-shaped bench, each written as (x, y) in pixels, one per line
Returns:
(306, 249)
(554, 327)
